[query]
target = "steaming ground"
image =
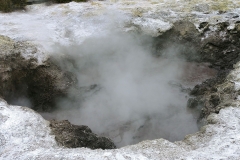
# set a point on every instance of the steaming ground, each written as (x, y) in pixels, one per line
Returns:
(123, 91)
(25, 135)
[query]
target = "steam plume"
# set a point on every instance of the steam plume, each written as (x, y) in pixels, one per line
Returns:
(123, 91)
(120, 83)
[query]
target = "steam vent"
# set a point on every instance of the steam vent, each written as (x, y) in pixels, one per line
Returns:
(119, 79)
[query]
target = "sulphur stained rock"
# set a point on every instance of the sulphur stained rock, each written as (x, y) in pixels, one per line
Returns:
(216, 44)
(29, 78)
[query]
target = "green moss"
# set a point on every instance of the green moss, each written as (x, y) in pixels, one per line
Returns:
(67, 1)
(80, 0)
(11, 5)
(6, 5)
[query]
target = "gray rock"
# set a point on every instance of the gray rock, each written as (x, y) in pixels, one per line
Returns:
(73, 136)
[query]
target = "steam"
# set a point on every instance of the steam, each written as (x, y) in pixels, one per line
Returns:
(122, 90)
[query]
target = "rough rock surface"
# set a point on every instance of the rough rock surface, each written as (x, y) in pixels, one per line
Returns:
(220, 46)
(73, 136)
(26, 74)
(217, 44)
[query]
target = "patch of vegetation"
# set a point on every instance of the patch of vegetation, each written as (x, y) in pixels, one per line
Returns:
(67, 1)
(5, 5)
(11, 5)
(221, 6)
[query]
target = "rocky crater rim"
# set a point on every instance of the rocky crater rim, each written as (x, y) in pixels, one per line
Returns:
(150, 17)
(21, 68)
(211, 33)
(38, 137)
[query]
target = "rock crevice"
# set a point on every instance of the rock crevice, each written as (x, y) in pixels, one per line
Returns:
(73, 136)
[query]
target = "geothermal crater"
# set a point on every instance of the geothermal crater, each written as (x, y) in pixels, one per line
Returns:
(125, 91)
(129, 87)
(125, 70)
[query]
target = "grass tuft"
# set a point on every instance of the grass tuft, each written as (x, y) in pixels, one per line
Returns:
(11, 5)
(67, 1)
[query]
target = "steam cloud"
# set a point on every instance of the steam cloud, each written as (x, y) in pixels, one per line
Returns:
(123, 91)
